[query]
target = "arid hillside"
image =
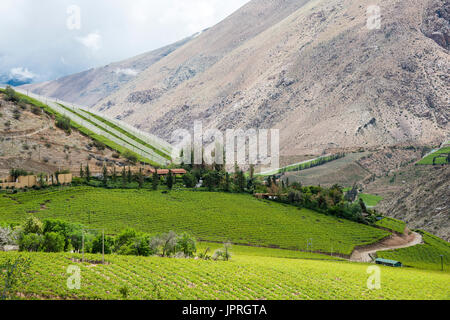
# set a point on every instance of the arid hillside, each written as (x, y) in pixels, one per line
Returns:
(310, 68)
(89, 87)
(30, 140)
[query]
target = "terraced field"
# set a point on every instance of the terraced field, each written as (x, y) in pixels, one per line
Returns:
(100, 131)
(239, 218)
(392, 224)
(370, 200)
(244, 277)
(439, 160)
(423, 256)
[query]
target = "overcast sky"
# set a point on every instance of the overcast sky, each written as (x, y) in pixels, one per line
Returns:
(47, 39)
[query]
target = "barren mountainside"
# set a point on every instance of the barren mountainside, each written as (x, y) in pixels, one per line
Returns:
(89, 87)
(310, 68)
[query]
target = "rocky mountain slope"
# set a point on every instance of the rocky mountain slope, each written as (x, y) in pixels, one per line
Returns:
(30, 140)
(89, 87)
(310, 68)
(423, 202)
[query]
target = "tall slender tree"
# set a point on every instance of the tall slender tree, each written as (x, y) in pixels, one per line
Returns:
(155, 180)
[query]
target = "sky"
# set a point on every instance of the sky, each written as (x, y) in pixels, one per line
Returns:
(47, 39)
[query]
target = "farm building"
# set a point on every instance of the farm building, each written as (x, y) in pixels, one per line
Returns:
(389, 263)
(31, 181)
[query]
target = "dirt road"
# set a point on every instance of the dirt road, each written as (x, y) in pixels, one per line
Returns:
(409, 239)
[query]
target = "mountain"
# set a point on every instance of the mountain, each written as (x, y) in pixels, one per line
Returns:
(310, 68)
(89, 87)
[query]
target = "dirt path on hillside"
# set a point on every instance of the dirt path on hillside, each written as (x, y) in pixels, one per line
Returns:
(396, 241)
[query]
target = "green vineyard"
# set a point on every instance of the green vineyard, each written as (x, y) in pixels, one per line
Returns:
(245, 277)
(238, 218)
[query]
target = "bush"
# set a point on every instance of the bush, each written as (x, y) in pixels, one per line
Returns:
(53, 242)
(130, 156)
(189, 180)
(186, 244)
(63, 123)
(11, 95)
(31, 242)
(33, 225)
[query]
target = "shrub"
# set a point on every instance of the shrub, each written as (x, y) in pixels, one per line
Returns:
(36, 110)
(11, 95)
(31, 242)
(130, 156)
(33, 225)
(186, 244)
(53, 242)
(189, 180)
(63, 123)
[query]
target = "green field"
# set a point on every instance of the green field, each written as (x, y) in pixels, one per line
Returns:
(392, 224)
(428, 160)
(370, 200)
(244, 277)
(304, 165)
(423, 256)
(239, 218)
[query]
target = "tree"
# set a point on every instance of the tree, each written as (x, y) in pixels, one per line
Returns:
(129, 175)
(33, 225)
(81, 171)
(241, 181)
(186, 244)
(252, 171)
(140, 178)
(223, 253)
(362, 205)
(170, 179)
(114, 174)
(227, 182)
(14, 273)
(105, 176)
(53, 242)
(11, 94)
(31, 242)
(169, 242)
(88, 173)
(189, 180)
(124, 177)
(155, 180)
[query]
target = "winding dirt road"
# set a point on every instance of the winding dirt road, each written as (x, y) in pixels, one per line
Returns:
(409, 239)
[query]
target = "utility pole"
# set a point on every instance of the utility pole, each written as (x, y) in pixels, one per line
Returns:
(82, 246)
(103, 247)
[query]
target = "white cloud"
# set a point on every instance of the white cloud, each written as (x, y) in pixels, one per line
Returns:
(112, 30)
(128, 72)
(22, 74)
(91, 41)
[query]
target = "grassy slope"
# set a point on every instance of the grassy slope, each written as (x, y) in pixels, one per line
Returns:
(209, 216)
(370, 200)
(429, 159)
(423, 256)
(244, 277)
(392, 224)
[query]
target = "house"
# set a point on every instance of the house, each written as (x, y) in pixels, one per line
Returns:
(179, 172)
(31, 181)
(389, 263)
